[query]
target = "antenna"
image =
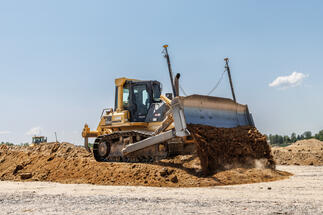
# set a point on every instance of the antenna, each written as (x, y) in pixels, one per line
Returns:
(170, 70)
(56, 137)
(229, 75)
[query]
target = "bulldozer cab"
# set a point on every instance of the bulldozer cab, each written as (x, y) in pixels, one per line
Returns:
(140, 98)
(39, 139)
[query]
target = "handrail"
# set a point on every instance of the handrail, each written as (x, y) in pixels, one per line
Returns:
(105, 109)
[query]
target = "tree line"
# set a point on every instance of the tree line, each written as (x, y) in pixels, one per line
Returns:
(286, 140)
(6, 143)
(11, 144)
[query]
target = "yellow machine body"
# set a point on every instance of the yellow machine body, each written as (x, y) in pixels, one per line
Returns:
(120, 117)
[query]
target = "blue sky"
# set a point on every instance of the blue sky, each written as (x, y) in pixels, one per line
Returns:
(59, 59)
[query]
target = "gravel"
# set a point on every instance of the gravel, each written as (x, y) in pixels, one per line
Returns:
(301, 194)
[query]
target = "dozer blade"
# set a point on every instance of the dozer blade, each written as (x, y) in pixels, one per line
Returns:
(215, 111)
(198, 109)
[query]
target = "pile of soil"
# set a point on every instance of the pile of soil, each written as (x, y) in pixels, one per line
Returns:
(303, 152)
(67, 163)
(226, 148)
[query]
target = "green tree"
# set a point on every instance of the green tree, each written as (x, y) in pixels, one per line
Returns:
(270, 137)
(319, 135)
(280, 139)
(300, 137)
(6, 143)
(307, 135)
(286, 139)
(293, 137)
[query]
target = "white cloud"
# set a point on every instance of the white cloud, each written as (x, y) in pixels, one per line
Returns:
(5, 132)
(34, 131)
(292, 80)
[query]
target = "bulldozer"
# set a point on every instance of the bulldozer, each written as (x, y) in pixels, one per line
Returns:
(145, 126)
(36, 140)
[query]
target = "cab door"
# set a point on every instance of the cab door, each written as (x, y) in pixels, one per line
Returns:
(141, 101)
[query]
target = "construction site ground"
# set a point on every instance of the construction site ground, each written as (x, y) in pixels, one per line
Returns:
(302, 193)
(67, 163)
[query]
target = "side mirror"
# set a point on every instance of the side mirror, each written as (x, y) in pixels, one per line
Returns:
(169, 96)
(109, 110)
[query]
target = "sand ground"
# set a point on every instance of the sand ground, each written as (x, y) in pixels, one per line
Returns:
(300, 194)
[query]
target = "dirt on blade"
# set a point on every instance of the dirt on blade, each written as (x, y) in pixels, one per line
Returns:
(226, 148)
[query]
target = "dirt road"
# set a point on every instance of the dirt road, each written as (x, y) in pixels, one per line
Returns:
(301, 194)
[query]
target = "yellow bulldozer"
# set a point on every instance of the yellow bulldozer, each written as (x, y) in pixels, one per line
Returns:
(145, 125)
(36, 140)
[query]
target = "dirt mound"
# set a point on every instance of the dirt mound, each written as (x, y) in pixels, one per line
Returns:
(67, 163)
(226, 148)
(303, 152)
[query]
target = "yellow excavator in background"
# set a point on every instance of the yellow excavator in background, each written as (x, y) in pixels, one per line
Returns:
(145, 125)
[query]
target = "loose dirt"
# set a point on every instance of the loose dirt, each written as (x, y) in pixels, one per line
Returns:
(67, 163)
(227, 148)
(303, 152)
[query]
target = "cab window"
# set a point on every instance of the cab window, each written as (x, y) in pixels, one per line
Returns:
(142, 99)
(156, 93)
(125, 97)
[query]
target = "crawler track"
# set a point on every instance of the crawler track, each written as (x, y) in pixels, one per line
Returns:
(108, 147)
